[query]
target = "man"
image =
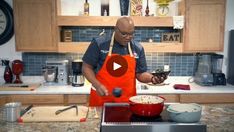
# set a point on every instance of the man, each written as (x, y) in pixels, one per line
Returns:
(102, 50)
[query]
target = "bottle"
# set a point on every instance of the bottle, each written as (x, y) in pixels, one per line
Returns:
(104, 7)
(147, 9)
(105, 13)
(86, 8)
(8, 76)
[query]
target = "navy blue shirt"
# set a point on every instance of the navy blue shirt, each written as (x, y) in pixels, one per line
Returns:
(97, 51)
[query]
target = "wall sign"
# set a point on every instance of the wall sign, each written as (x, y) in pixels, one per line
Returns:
(170, 37)
(6, 22)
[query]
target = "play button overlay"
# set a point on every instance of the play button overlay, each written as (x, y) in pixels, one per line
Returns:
(117, 66)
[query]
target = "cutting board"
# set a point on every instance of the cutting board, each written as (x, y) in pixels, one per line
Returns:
(47, 113)
(19, 87)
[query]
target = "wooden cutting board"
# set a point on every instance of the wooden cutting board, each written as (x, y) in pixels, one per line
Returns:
(19, 87)
(47, 113)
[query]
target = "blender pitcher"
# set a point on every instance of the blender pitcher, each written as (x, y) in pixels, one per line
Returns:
(217, 62)
(203, 75)
(219, 77)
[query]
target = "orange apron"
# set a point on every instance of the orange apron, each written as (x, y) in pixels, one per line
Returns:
(126, 82)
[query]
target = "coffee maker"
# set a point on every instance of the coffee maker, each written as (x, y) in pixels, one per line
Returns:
(77, 76)
(209, 70)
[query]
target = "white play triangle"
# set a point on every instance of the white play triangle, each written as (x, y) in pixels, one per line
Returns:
(116, 66)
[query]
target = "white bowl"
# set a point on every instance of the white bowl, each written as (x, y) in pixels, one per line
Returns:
(185, 113)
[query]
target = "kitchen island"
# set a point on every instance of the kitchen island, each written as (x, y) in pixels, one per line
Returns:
(217, 117)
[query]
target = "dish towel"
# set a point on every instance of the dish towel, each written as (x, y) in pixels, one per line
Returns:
(181, 87)
(178, 22)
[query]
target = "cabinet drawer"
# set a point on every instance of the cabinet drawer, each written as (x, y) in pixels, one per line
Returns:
(170, 98)
(37, 99)
(78, 99)
(207, 98)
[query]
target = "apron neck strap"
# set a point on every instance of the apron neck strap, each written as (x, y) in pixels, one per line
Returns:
(112, 43)
(130, 49)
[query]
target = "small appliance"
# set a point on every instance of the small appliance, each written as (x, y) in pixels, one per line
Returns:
(56, 72)
(77, 76)
(218, 77)
(209, 70)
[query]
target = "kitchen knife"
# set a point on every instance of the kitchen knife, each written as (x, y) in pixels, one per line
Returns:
(26, 110)
(23, 86)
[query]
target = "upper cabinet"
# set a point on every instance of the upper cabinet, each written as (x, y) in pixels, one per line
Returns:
(204, 25)
(35, 25)
(38, 24)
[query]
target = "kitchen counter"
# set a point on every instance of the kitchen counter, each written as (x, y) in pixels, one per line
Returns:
(151, 89)
(218, 117)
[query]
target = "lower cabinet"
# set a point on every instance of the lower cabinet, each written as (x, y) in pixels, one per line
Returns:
(45, 99)
(170, 97)
(207, 98)
(199, 98)
(4, 99)
(68, 99)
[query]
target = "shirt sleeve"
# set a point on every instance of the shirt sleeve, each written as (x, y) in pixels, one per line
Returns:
(91, 55)
(141, 65)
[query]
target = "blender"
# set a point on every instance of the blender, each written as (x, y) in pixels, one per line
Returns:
(218, 76)
(203, 75)
(209, 70)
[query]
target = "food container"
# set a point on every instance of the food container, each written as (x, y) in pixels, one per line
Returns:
(146, 105)
(11, 111)
(185, 113)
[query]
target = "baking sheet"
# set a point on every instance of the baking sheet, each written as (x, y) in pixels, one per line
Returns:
(47, 113)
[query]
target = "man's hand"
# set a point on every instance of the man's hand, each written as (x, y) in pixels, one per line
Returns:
(147, 77)
(90, 76)
(158, 79)
(102, 91)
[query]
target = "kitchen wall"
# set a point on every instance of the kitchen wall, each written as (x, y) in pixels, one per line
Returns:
(7, 51)
(229, 25)
(180, 64)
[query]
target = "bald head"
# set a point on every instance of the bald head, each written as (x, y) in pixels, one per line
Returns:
(125, 22)
(124, 30)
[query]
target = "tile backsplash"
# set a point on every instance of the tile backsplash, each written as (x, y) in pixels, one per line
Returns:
(180, 64)
(141, 34)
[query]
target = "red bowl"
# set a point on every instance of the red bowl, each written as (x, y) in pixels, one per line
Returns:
(151, 106)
